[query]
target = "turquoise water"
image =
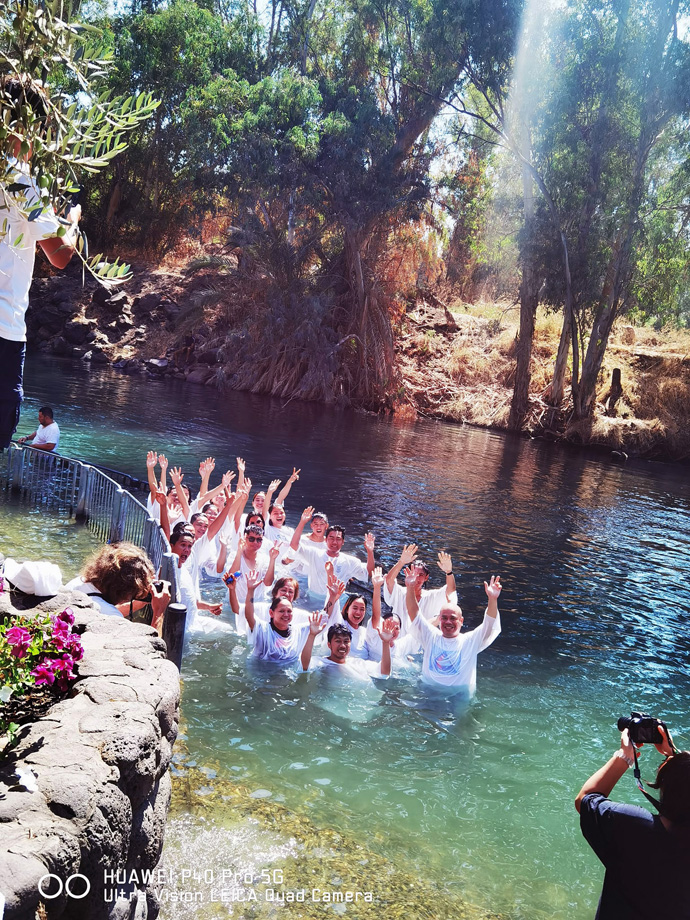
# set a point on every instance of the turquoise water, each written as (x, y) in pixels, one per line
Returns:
(593, 557)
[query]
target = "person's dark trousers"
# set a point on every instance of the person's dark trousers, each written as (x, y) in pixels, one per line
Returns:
(11, 389)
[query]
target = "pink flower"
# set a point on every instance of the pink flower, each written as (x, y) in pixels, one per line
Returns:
(67, 616)
(43, 673)
(19, 639)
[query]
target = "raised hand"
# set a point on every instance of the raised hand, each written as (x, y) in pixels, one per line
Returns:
(163, 462)
(227, 479)
(317, 623)
(307, 514)
(408, 554)
(151, 459)
(241, 544)
(493, 589)
(254, 579)
(274, 551)
(176, 475)
(369, 542)
(161, 497)
(445, 563)
(410, 576)
(240, 465)
(274, 485)
(294, 476)
(335, 586)
(387, 631)
(377, 578)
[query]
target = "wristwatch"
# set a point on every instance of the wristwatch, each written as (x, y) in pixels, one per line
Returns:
(620, 753)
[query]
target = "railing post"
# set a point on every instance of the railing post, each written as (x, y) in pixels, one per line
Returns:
(115, 531)
(168, 572)
(82, 510)
(174, 621)
(18, 471)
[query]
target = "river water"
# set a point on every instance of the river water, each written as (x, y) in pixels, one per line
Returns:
(476, 805)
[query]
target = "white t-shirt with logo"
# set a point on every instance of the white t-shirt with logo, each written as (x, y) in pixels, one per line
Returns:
(47, 434)
(18, 250)
(453, 662)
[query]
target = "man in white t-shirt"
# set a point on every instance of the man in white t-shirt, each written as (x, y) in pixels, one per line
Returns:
(17, 253)
(317, 557)
(47, 435)
(450, 658)
(338, 662)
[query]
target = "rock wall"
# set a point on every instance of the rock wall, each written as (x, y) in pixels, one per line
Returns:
(87, 788)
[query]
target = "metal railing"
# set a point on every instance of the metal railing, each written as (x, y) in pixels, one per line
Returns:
(110, 512)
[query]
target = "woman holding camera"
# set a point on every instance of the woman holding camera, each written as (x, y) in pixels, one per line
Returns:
(646, 856)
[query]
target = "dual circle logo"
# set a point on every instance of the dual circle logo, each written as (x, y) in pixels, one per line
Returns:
(76, 886)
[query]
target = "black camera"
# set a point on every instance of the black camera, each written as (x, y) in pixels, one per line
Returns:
(642, 728)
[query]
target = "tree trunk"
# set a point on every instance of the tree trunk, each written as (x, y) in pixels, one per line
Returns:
(529, 301)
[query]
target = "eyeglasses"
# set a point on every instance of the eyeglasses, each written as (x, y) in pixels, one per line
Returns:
(255, 539)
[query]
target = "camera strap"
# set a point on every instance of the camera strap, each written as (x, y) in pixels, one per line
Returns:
(638, 779)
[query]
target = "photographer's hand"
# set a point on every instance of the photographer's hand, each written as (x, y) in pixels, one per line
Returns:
(667, 747)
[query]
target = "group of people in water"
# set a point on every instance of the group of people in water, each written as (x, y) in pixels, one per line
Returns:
(220, 535)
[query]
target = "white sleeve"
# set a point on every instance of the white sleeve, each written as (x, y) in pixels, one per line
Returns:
(422, 630)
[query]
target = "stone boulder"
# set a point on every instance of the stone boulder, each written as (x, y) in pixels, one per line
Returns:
(86, 788)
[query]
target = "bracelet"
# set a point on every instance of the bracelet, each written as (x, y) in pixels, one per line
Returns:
(619, 753)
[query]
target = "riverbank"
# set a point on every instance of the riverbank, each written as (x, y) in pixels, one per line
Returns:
(456, 360)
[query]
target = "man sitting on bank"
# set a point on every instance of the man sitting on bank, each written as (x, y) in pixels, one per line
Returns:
(47, 435)
(450, 659)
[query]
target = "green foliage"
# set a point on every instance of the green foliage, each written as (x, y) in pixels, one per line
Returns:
(63, 64)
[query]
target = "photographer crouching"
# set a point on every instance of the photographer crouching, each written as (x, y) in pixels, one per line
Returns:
(646, 856)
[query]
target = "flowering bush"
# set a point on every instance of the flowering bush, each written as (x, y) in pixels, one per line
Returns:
(37, 652)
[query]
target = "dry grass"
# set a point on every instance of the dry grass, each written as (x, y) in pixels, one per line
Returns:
(467, 375)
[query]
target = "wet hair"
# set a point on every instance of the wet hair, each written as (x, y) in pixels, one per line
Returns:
(46, 410)
(206, 508)
(172, 489)
(282, 582)
(418, 564)
(180, 530)
(195, 517)
(255, 529)
(120, 571)
(319, 514)
(334, 527)
(338, 630)
(673, 783)
(350, 601)
(277, 600)
(255, 514)
(389, 615)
